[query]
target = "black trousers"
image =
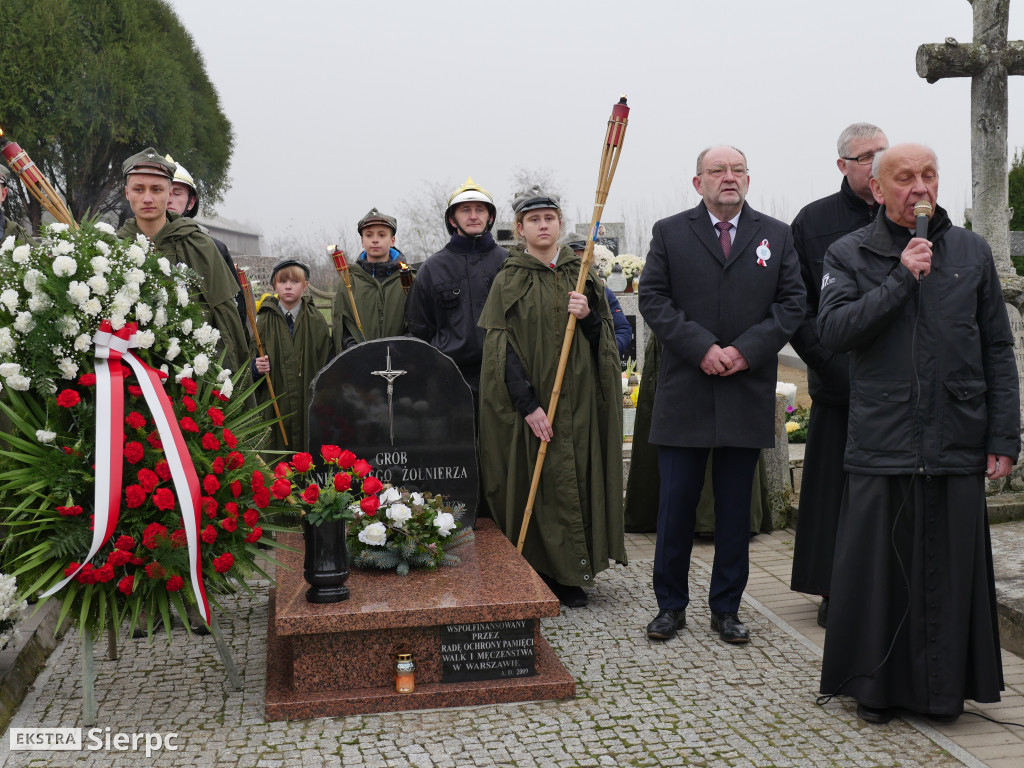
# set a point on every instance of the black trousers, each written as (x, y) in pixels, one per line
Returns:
(682, 479)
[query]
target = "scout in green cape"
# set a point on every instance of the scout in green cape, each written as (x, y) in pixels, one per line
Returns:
(148, 178)
(8, 227)
(297, 344)
(577, 518)
(379, 286)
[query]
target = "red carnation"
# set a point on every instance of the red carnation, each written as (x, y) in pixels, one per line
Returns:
(188, 425)
(362, 467)
(104, 573)
(209, 506)
(210, 442)
(209, 534)
(155, 571)
(179, 538)
(281, 488)
(189, 386)
(163, 470)
(223, 563)
(152, 533)
(69, 511)
(216, 416)
(126, 585)
(68, 398)
(302, 462)
(311, 494)
(235, 460)
(258, 481)
(251, 517)
(229, 524)
(134, 452)
(135, 420)
(261, 498)
(87, 380)
(372, 485)
(346, 459)
(163, 499)
(342, 482)
(236, 488)
(282, 469)
(70, 569)
(134, 390)
(256, 535)
(211, 484)
(87, 575)
(148, 480)
(223, 398)
(218, 465)
(127, 543)
(136, 561)
(369, 505)
(118, 557)
(175, 583)
(153, 438)
(230, 439)
(135, 496)
(330, 453)
(189, 403)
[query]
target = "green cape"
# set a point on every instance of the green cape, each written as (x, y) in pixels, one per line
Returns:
(381, 305)
(577, 516)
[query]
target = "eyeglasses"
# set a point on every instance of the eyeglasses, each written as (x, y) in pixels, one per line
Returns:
(718, 171)
(866, 159)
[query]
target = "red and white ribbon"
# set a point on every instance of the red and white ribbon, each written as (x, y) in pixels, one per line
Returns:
(111, 347)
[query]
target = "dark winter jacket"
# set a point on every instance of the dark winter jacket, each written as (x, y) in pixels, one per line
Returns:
(815, 228)
(448, 296)
(933, 381)
(623, 330)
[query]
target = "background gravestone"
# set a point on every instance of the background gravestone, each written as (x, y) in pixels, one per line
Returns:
(420, 436)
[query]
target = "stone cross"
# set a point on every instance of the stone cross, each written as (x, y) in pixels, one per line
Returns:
(987, 61)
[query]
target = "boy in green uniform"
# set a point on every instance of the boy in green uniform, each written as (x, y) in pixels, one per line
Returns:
(379, 285)
(296, 345)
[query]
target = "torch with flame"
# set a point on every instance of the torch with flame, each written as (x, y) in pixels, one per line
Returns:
(614, 138)
(35, 182)
(341, 265)
(250, 310)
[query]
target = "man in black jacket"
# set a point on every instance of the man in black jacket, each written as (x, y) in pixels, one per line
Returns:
(451, 286)
(815, 228)
(934, 410)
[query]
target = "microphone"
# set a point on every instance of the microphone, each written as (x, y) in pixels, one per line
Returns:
(922, 210)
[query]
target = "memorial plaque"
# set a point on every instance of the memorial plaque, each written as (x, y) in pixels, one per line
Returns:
(404, 407)
(488, 651)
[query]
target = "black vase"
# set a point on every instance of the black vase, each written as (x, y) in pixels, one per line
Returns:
(326, 563)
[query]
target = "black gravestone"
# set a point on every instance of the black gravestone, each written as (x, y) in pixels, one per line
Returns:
(404, 407)
(487, 651)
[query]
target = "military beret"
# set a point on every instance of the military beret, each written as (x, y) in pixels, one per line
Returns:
(148, 161)
(376, 217)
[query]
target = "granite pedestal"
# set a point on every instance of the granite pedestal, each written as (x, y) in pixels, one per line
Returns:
(339, 659)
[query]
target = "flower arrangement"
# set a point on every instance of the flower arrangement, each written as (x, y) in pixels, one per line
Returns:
(603, 258)
(631, 265)
(406, 530)
(341, 493)
(184, 501)
(797, 421)
(12, 610)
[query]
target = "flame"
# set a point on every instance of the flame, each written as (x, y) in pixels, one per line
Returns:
(1, 131)
(403, 265)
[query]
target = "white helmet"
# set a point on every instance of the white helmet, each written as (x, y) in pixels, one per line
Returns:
(469, 192)
(184, 177)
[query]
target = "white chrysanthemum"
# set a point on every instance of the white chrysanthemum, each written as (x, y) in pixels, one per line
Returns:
(8, 245)
(100, 264)
(63, 248)
(173, 348)
(182, 296)
(7, 345)
(83, 342)
(184, 373)
(186, 326)
(24, 322)
(445, 523)
(224, 375)
(389, 495)
(161, 297)
(201, 364)
(56, 228)
(136, 255)
(143, 242)
(135, 276)
(9, 369)
(78, 293)
(19, 383)
(99, 284)
(68, 368)
(143, 313)
(165, 266)
(102, 247)
(117, 321)
(68, 325)
(92, 307)
(102, 226)
(145, 339)
(39, 302)
(227, 388)
(207, 335)
(9, 299)
(45, 437)
(21, 253)
(160, 317)
(375, 534)
(121, 305)
(32, 278)
(130, 291)
(64, 266)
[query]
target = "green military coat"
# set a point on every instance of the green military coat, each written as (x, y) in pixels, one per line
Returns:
(381, 305)
(294, 360)
(577, 516)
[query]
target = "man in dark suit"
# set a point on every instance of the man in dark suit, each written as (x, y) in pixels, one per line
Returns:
(722, 291)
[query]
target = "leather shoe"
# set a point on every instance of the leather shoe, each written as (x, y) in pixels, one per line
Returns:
(943, 719)
(875, 715)
(729, 627)
(823, 612)
(666, 624)
(568, 595)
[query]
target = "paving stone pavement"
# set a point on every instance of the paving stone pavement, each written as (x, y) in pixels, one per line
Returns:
(692, 701)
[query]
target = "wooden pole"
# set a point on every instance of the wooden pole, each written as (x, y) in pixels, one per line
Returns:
(341, 265)
(611, 149)
(250, 311)
(34, 181)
